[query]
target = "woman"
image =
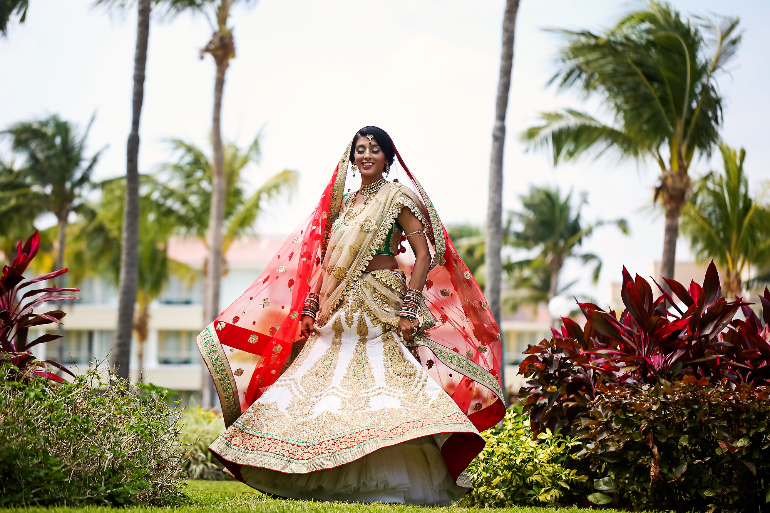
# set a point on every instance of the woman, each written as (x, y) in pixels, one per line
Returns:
(338, 379)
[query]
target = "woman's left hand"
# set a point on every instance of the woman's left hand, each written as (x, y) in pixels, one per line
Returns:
(406, 328)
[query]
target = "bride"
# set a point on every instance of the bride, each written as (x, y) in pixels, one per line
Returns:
(339, 377)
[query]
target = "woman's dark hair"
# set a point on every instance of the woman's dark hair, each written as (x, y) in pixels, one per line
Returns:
(382, 138)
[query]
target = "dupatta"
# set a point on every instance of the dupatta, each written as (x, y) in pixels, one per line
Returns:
(252, 341)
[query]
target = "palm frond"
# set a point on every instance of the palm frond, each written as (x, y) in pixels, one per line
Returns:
(570, 134)
(245, 217)
(9, 8)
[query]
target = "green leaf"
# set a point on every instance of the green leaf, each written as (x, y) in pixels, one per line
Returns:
(680, 469)
(606, 484)
(599, 498)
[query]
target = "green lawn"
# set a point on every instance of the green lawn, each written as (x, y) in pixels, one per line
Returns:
(234, 497)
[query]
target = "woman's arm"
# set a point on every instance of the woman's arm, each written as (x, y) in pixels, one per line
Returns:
(414, 231)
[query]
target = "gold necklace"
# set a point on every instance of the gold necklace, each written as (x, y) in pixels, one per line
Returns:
(367, 191)
(371, 189)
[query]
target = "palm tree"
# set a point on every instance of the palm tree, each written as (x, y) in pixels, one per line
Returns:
(57, 172)
(129, 268)
(725, 224)
(55, 168)
(656, 73)
(10, 7)
(551, 227)
(96, 248)
(494, 234)
(222, 48)
(188, 183)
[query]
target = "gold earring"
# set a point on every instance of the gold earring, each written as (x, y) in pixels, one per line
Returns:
(354, 168)
(387, 168)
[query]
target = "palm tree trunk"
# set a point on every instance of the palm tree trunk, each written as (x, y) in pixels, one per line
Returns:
(129, 252)
(216, 218)
(732, 283)
(555, 266)
(674, 190)
(671, 234)
(554, 289)
(62, 221)
(141, 324)
(494, 231)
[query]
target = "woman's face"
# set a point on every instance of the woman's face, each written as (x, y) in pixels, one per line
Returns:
(369, 158)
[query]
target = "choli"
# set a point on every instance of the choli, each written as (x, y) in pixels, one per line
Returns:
(391, 243)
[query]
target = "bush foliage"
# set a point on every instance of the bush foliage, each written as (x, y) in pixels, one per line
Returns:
(683, 445)
(670, 397)
(199, 430)
(86, 442)
(516, 469)
(653, 339)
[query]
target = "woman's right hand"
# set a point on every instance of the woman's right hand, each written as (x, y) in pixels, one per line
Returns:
(307, 326)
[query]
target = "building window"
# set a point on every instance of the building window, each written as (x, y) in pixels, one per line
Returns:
(78, 347)
(176, 347)
(516, 342)
(181, 292)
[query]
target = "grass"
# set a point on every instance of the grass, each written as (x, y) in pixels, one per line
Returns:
(235, 497)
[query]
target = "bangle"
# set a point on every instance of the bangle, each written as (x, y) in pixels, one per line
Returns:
(311, 305)
(410, 306)
(415, 233)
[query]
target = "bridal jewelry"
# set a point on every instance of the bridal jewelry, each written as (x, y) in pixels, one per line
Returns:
(367, 191)
(354, 168)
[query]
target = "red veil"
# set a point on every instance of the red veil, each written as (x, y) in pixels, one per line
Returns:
(248, 345)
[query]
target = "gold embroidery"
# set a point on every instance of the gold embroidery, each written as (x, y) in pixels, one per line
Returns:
(322, 424)
(282, 269)
(467, 275)
(339, 272)
(294, 314)
(265, 302)
(253, 339)
(219, 366)
(362, 329)
(368, 225)
(445, 292)
(297, 240)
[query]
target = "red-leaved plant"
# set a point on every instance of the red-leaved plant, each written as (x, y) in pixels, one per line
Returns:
(652, 339)
(17, 314)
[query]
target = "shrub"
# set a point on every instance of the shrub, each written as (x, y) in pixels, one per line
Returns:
(514, 468)
(653, 339)
(683, 445)
(199, 430)
(86, 442)
(17, 315)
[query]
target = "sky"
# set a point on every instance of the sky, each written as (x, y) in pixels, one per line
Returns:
(308, 74)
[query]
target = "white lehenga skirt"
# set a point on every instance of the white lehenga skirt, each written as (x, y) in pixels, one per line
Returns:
(354, 418)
